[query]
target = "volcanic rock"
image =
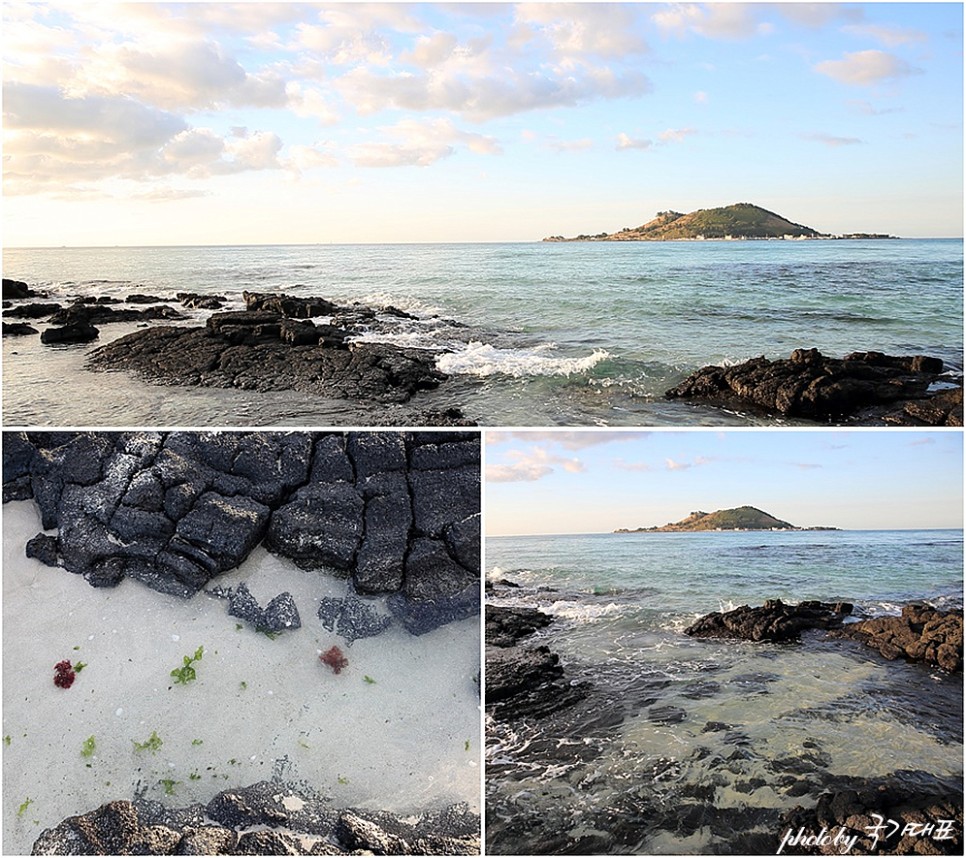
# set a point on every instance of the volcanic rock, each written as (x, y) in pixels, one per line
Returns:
(913, 813)
(18, 329)
(508, 626)
(920, 634)
(774, 621)
(15, 289)
(79, 333)
(870, 386)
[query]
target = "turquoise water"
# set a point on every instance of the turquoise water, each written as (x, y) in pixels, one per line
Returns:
(549, 334)
(762, 727)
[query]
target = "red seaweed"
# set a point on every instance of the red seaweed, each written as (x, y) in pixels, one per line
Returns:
(64, 674)
(335, 659)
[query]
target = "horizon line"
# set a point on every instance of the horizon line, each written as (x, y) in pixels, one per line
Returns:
(816, 529)
(442, 241)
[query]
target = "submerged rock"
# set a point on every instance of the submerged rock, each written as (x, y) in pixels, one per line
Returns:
(774, 621)
(866, 386)
(920, 634)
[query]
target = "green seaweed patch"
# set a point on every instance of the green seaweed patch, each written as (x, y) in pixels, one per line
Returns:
(197, 742)
(368, 680)
(23, 807)
(466, 745)
(168, 785)
(7, 740)
(153, 743)
(243, 685)
(342, 780)
(186, 673)
(194, 776)
(79, 666)
(89, 746)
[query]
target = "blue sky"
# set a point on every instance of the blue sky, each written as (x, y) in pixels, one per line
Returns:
(155, 123)
(591, 481)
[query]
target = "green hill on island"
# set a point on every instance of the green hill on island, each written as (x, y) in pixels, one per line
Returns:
(739, 518)
(741, 220)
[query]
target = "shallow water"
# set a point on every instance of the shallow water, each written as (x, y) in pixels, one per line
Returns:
(687, 745)
(406, 741)
(558, 334)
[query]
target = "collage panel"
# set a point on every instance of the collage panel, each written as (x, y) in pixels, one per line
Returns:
(241, 643)
(482, 428)
(724, 642)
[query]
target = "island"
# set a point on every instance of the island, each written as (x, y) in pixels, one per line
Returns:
(740, 221)
(739, 518)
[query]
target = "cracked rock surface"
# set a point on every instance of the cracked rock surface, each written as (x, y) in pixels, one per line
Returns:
(397, 513)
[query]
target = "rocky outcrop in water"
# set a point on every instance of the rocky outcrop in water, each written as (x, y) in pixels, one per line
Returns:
(920, 634)
(774, 621)
(274, 345)
(16, 289)
(266, 818)
(523, 681)
(907, 813)
(862, 387)
(398, 513)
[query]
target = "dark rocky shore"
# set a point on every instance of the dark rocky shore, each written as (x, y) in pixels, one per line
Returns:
(272, 345)
(862, 388)
(397, 513)
(920, 634)
(523, 681)
(266, 818)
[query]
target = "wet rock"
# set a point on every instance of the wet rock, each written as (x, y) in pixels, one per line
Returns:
(141, 298)
(527, 682)
(207, 840)
(36, 310)
(18, 329)
(508, 626)
(194, 301)
(240, 351)
(920, 634)
(18, 455)
(666, 714)
(68, 334)
(897, 809)
(288, 305)
(281, 614)
(775, 621)
(16, 289)
(82, 313)
(812, 386)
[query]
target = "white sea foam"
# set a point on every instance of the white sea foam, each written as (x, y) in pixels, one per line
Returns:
(483, 360)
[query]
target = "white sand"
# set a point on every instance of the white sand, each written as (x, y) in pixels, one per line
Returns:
(399, 743)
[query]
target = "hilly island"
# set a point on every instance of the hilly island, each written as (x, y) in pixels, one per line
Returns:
(734, 222)
(739, 518)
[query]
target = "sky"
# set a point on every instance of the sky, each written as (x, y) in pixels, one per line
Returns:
(597, 482)
(247, 123)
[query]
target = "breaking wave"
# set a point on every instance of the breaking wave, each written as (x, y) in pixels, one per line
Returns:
(483, 359)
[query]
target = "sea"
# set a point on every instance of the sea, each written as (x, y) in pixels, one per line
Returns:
(687, 746)
(544, 334)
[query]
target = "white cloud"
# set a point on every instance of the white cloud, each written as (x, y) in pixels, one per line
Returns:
(712, 21)
(865, 68)
(534, 464)
(569, 440)
(518, 473)
(416, 143)
(625, 142)
(480, 98)
(584, 29)
(676, 135)
(832, 140)
(310, 102)
(891, 37)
